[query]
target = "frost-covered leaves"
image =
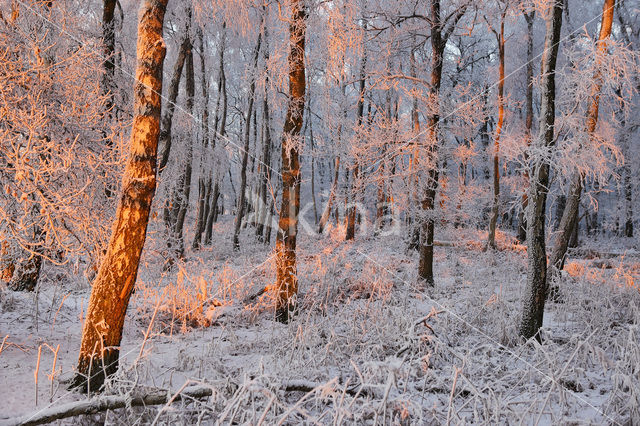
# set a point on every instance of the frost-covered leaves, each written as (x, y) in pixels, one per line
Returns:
(57, 148)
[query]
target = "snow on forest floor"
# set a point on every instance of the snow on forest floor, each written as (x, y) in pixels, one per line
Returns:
(368, 346)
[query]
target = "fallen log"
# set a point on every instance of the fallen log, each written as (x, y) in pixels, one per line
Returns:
(103, 403)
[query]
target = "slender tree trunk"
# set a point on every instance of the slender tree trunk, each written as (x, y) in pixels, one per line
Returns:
(536, 287)
(332, 195)
(102, 331)
(491, 242)
(287, 280)
(265, 172)
(351, 205)
(204, 181)
(245, 154)
(263, 228)
(414, 225)
(184, 186)
(109, 48)
(438, 42)
(174, 86)
(522, 221)
(628, 196)
(221, 117)
(352, 209)
(313, 162)
(570, 214)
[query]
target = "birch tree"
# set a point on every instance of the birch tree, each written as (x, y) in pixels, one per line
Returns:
(104, 321)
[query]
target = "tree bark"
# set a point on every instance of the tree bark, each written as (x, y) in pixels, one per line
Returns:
(183, 192)
(287, 280)
(242, 196)
(439, 37)
(522, 221)
(204, 181)
(263, 229)
(109, 48)
(102, 331)
(352, 209)
(491, 241)
(221, 118)
(570, 213)
(536, 287)
(172, 95)
(332, 195)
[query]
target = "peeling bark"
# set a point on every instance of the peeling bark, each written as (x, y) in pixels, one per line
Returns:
(102, 331)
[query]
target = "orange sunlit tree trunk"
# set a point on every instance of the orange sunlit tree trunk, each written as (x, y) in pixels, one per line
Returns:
(102, 331)
(569, 216)
(287, 281)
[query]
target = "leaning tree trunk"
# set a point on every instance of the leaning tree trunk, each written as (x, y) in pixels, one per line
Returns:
(536, 287)
(287, 280)
(102, 331)
(522, 223)
(174, 86)
(491, 242)
(570, 213)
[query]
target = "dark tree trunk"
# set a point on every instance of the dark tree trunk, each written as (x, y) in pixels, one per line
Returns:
(570, 214)
(438, 42)
(174, 86)
(264, 226)
(628, 196)
(109, 48)
(204, 181)
(245, 154)
(536, 288)
(332, 195)
(522, 220)
(352, 209)
(25, 277)
(221, 119)
(184, 186)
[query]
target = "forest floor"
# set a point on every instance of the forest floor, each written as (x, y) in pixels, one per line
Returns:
(369, 345)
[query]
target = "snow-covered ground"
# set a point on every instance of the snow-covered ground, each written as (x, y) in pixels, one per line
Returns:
(369, 345)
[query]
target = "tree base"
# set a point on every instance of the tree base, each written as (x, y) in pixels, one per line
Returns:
(285, 314)
(92, 373)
